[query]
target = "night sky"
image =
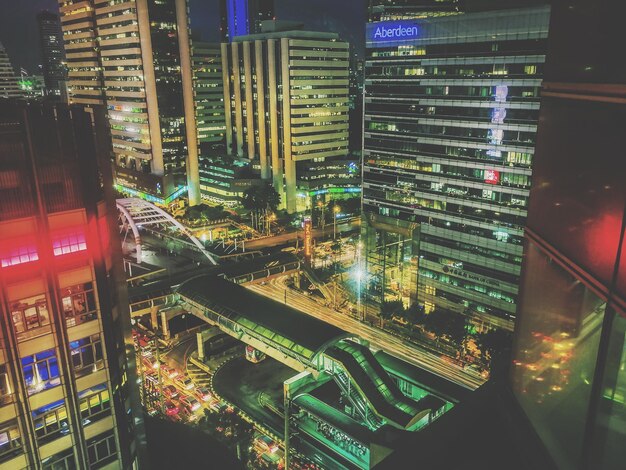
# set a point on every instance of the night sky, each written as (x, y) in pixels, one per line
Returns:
(19, 35)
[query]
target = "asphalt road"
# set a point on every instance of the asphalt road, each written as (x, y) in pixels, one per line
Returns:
(275, 289)
(286, 237)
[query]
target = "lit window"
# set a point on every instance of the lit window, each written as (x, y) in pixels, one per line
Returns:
(6, 395)
(10, 440)
(95, 403)
(41, 371)
(50, 421)
(69, 243)
(79, 304)
(87, 355)
(31, 317)
(19, 255)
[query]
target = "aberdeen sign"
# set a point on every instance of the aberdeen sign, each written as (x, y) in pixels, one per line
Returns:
(393, 30)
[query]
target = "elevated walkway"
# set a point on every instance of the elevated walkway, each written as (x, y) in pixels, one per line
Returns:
(284, 333)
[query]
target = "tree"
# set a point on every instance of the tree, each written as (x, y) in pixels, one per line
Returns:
(389, 308)
(442, 322)
(415, 314)
(260, 200)
(495, 346)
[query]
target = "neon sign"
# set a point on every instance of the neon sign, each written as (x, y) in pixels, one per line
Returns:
(393, 30)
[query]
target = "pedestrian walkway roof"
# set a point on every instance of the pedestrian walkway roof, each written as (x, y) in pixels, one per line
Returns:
(275, 322)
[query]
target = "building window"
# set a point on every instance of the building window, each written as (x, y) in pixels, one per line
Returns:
(10, 440)
(95, 403)
(31, 317)
(41, 371)
(69, 242)
(50, 422)
(6, 393)
(79, 304)
(63, 460)
(87, 355)
(101, 450)
(19, 255)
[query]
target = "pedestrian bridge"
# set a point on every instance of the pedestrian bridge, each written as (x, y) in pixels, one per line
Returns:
(306, 343)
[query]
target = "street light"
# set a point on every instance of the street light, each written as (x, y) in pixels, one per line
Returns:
(336, 210)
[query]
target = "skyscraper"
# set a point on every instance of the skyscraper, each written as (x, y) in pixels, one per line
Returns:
(208, 90)
(52, 54)
(134, 57)
(242, 17)
(9, 87)
(562, 405)
(449, 131)
(66, 373)
(384, 10)
(286, 99)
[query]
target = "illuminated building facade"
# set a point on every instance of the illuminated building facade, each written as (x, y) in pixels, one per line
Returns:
(52, 54)
(134, 57)
(286, 98)
(385, 10)
(208, 90)
(9, 86)
(449, 136)
(559, 404)
(66, 384)
(243, 17)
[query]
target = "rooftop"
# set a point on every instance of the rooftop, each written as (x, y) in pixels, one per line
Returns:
(277, 322)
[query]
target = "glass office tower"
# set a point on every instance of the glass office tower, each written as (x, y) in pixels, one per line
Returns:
(383, 10)
(451, 107)
(52, 54)
(67, 393)
(134, 57)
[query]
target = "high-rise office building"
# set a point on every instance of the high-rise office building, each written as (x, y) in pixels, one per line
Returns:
(208, 90)
(52, 54)
(243, 17)
(385, 10)
(286, 99)
(9, 86)
(32, 86)
(134, 57)
(449, 133)
(562, 405)
(67, 392)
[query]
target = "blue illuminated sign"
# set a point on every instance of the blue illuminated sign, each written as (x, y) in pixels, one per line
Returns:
(392, 31)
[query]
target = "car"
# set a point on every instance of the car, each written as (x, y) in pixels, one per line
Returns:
(151, 378)
(190, 403)
(188, 416)
(183, 382)
(217, 406)
(169, 391)
(203, 394)
(171, 408)
(150, 363)
(169, 372)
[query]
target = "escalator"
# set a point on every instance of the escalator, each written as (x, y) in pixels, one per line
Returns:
(374, 385)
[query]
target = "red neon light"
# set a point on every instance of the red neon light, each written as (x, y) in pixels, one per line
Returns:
(492, 176)
(69, 241)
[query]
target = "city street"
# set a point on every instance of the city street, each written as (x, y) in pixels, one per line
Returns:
(378, 338)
